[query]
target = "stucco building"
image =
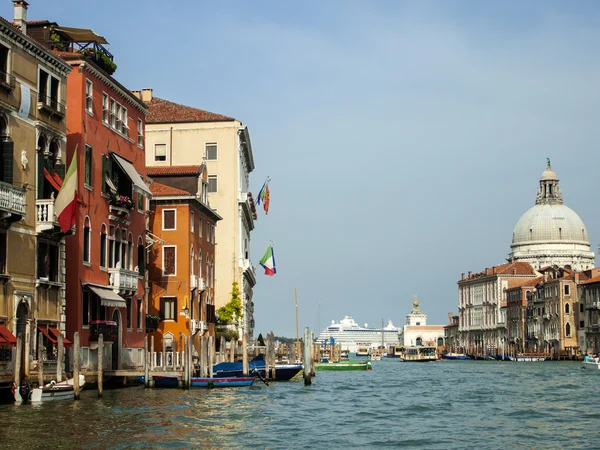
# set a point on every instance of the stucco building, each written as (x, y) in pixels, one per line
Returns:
(182, 256)
(417, 332)
(179, 135)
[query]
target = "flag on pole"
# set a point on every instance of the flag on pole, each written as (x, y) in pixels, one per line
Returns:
(261, 192)
(266, 199)
(65, 205)
(268, 261)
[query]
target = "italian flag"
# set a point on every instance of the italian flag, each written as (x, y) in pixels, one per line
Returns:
(65, 206)
(268, 261)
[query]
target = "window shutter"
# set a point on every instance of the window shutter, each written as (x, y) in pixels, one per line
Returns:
(104, 174)
(7, 161)
(60, 170)
(162, 309)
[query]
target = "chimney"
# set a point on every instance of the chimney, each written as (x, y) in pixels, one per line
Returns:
(21, 14)
(137, 94)
(146, 95)
(469, 274)
(462, 276)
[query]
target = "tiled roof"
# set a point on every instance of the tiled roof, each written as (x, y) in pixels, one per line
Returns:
(173, 170)
(163, 111)
(592, 280)
(161, 190)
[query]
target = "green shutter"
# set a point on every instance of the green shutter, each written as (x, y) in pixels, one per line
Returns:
(7, 161)
(103, 181)
(60, 170)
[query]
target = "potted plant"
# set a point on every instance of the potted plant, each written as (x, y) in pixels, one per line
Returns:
(151, 322)
(121, 201)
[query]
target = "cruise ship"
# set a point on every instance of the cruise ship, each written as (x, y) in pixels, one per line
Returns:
(351, 336)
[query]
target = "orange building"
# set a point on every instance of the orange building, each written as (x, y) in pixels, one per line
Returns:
(105, 258)
(182, 257)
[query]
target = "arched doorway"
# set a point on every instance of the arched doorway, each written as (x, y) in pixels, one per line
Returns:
(116, 346)
(419, 341)
(440, 342)
(22, 313)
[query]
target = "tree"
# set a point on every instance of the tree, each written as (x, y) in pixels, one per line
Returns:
(234, 306)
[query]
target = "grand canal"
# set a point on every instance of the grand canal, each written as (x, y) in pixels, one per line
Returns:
(445, 404)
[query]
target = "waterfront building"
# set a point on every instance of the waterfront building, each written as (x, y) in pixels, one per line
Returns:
(106, 261)
(550, 233)
(181, 256)
(553, 314)
(589, 309)
(32, 166)
(417, 332)
(451, 336)
(180, 135)
(517, 299)
(481, 305)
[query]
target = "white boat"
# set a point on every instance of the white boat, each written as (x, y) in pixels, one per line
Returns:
(591, 365)
(363, 351)
(420, 353)
(350, 335)
(54, 391)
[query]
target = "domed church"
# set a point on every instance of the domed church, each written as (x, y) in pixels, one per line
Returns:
(551, 233)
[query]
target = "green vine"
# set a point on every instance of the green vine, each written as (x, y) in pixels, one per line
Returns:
(234, 306)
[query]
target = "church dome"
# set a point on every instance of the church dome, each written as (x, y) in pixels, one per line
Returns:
(548, 175)
(550, 222)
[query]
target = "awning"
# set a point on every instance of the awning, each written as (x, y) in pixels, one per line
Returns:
(6, 337)
(108, 297)
(45, 333)
(56, 333)
(51, 179)
(134, 176)
(81, 35)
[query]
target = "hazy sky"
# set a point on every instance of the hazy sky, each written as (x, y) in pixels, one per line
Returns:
(404, 139)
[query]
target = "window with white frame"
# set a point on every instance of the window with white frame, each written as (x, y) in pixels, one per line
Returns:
(89, 99)
(169, 219)
(168, 308)
(200, 226)
(112, 112)
(49, 91)
(105, 108)
(117, 124)
(140, 132)
(86, 240)
(212, 183)
(160, 152)
(210, 150)
(140, 311)
(169, 260)
(124, 128)
(192, 222)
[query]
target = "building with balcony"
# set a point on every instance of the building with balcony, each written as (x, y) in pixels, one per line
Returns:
(179, 135)
(589, 309)
(32, 149)
(181, 261)
(106, 268)
(517, 299)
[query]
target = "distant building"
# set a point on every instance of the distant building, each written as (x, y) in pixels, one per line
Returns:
(417, 332)
(550, 233)
(451, 335)
(589, 310)
(179, 135)
(517, 299)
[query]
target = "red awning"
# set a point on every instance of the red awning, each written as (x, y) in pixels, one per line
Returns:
(45, 333)
(6, 337)
(56, 333)
(51, 179)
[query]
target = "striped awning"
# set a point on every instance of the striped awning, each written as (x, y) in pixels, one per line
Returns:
(108, 297)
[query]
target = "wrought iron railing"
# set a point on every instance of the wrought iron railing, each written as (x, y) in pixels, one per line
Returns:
(52, 103)
(7, 80)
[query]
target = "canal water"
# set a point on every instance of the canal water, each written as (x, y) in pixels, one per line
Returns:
(439, 405)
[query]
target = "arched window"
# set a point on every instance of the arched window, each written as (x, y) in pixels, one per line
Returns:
(192, 269)
(440, 342)
(130, 251)
(568, 329)
(419, 341)
(87, 230)
(141, 257)
(111, 246)
(567, 308)
(124, 263)
(103, 246)
(199, 263)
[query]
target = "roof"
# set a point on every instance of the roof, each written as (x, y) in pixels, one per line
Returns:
(162, 190)
(527, 282)
(592, 280)
(163, 111)
(173, 170)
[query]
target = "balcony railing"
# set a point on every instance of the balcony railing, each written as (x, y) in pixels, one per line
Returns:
(123, 280)
(193, 281)
(107, 328)
(593, 305)
(12, 200)
(7, 81)
(45, 218)
(51, 105)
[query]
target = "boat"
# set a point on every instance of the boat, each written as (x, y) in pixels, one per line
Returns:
(171, 381)
(591, 363)
(531, 358)
(396, 351)
(351, 364)
(420, 353)
(363, 351)
(54, 391)
(283, 372)
(459, 356)
(375, 357)
(351, 336)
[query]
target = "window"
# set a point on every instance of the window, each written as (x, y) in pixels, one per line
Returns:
(47, 261)
(4, 61)
(200, 227)
(567, 287)
(212, 183)
(128, 303)
(88, 166)
(160, 152)
(140, 311)
(140, 131)
(124, 128)
(117, 124)
(89, 100)
(124, 263)
(192, 260)
(112, 113)
(168, 306)
(568, 329)
(86, 240)
(212, 234)
(105, 108)
(141, 259)
(211, 150)
(103, 246)
(169, 260)
(192, 222)
(581, 324)
(169, 219)
(581, 307)
(130, 252)
(85, 310)
(207, 232)
(140, 202)
(567, 308)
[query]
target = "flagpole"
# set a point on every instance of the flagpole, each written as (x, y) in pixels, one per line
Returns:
(297, 338)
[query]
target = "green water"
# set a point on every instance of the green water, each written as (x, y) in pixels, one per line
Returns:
(439, 405)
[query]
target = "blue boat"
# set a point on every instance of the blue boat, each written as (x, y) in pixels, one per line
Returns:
(455, 356)
(283, 372)
(221, 382)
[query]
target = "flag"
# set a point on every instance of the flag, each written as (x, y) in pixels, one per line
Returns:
(266, 199)
(268, 261)
(65, 205)
(261, 193)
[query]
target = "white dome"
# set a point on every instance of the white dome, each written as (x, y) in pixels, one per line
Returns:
(550, 222)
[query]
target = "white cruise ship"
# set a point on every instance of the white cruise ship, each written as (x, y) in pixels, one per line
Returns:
(351, 336)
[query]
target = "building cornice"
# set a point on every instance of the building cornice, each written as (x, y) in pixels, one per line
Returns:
(188, 198)
(34, 48)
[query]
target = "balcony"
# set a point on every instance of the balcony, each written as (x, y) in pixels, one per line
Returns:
(123, 281)
(593, 305)
(546, 316)
(246, 202)
(107, 328)
(593, 328)
(45, 218)
(12, 202)
(7, 81)
(193, 281)
(51, 105)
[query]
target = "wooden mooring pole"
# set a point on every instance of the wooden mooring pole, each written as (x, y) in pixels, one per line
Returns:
(100, 363)
(60, 358)
(232, 346)
(203, 356)
(245, 369)
(17, 362)
(146, 363)
(40, 356)
(307, 359)
(76, 364)
(211, 355)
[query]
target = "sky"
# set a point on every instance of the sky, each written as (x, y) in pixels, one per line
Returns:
(404, 140)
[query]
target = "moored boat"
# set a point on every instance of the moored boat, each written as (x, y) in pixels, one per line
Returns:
(459, 356)
(351, 364)
(54, 391)
(283, 372)
(420, 353)
(363, 351)
(221, 382)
